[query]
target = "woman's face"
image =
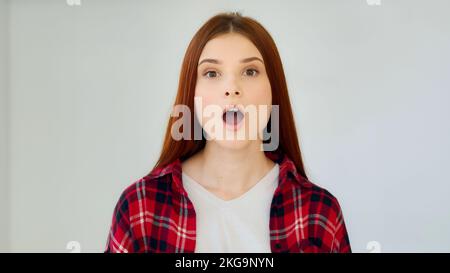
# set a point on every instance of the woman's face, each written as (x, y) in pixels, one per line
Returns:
(230, 72)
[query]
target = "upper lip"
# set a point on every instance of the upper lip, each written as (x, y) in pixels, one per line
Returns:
(231, 106)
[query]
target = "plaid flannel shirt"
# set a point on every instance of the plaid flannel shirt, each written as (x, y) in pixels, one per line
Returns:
(154, 214)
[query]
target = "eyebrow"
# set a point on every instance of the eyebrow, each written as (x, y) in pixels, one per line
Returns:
(215, 61)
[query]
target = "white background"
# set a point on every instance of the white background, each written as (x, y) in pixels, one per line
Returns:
(86, 92)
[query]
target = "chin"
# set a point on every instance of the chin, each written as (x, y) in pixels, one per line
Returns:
(233, 144)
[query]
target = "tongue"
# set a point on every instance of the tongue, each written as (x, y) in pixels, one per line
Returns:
(232, 118)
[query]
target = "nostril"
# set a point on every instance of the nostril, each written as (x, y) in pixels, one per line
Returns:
(237, 92)
(227, 93)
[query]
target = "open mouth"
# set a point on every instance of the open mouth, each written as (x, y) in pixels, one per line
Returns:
(232, 117)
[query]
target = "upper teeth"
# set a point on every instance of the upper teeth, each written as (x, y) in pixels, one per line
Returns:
(235, 109)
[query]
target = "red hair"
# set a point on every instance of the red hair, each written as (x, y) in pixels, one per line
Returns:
(221, 24)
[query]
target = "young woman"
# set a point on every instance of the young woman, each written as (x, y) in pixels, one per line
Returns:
(217, 193)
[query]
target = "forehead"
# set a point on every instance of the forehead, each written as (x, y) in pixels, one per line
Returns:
(230, 47)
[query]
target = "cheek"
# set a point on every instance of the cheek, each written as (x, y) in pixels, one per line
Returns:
(208, 92)
(263, 99)
(207, 97)
(261, 94)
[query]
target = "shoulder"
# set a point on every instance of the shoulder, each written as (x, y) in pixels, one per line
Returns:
(145, 188)
(134, 209)
(317, 200)
(323, 219)
(143, 196)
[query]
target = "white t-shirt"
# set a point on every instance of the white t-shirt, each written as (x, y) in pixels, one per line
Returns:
(238, 225)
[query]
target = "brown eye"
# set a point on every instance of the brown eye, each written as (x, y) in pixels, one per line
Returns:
(253, 72)
(210, 74)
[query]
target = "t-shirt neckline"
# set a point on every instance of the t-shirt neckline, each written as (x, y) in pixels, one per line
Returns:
(266, 180)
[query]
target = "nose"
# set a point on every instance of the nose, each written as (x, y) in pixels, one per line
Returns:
(235, 93)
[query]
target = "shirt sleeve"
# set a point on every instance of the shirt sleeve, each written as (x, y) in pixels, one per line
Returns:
(341, 242)
(120, 238)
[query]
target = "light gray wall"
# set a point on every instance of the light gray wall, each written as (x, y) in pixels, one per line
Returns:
(91, 88)
(4, 127)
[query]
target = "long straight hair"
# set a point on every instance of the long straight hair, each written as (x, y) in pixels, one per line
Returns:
(219, 24)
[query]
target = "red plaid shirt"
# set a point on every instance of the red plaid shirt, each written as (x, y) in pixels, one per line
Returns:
(154, 214)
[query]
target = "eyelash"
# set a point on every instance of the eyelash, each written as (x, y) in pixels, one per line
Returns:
(252, 69)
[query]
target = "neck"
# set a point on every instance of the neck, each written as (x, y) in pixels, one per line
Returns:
(233, 171)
